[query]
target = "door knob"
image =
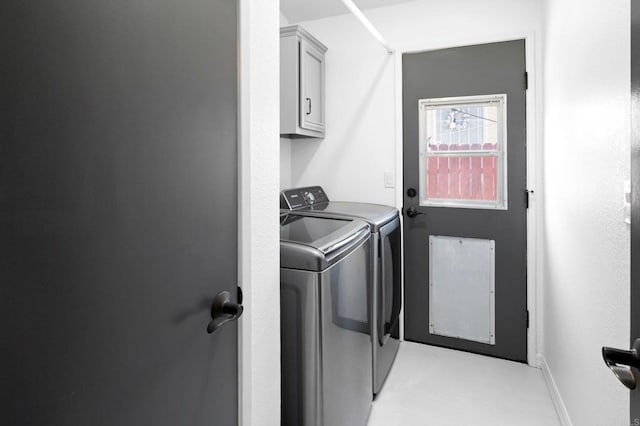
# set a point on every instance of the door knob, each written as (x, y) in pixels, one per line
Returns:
(615, 359)
(223, 310)
(412, 212)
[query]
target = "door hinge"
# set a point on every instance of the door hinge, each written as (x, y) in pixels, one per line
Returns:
(526, 81)
(527, 318)
(527, 193)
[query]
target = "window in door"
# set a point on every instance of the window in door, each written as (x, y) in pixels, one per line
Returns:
(463, 150)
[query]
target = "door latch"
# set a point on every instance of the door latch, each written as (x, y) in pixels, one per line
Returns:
(413, 212)
(224, 310)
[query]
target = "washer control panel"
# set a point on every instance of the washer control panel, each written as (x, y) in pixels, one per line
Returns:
(299, 198)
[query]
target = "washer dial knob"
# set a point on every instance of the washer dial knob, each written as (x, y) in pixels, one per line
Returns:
(309, 197)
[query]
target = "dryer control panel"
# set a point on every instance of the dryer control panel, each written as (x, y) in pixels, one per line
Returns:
(299, 198)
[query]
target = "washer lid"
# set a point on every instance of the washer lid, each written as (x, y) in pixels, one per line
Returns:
(314, 244)
(376, 214)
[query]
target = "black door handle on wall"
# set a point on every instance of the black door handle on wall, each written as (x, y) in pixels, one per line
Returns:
(615, 359)
(308, 106)
(223, 310)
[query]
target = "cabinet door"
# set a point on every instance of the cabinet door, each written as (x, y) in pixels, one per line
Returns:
(311, 87)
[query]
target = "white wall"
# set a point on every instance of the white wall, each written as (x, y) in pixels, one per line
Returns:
(286, 181)
(587, 138)
(258, 206)
(285, 144)
(361, 99)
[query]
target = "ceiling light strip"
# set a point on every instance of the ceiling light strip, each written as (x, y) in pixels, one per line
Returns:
(367, 24)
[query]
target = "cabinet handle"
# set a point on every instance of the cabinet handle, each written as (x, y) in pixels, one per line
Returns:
(308, 106)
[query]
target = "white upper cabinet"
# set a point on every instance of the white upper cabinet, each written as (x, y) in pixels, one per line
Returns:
(301, 83)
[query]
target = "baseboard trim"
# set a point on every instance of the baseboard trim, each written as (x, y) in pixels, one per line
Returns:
(561, 410)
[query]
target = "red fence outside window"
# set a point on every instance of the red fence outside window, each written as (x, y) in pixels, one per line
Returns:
(462, 177)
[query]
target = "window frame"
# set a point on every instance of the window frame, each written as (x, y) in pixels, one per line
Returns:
(501, 203)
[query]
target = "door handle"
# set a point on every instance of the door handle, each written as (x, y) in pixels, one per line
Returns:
(615, 359)
(308, 106)
(223, 310)
(412, 212)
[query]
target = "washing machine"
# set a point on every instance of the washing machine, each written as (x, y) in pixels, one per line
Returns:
(325, 321)
(385, 284)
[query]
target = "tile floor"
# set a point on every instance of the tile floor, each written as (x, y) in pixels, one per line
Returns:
(430, 386)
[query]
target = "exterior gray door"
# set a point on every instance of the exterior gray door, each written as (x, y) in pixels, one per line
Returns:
(465, 198)
(118, 208)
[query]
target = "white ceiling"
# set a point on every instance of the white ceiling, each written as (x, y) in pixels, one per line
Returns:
(307, 10)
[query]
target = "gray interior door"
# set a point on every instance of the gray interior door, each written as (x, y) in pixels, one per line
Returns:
(635, 194)
(118, 203)
(465, 198)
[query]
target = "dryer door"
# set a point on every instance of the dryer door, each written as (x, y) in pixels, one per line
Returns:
(389, 284)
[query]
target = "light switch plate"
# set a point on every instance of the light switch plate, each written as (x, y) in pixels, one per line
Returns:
(389, 180)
